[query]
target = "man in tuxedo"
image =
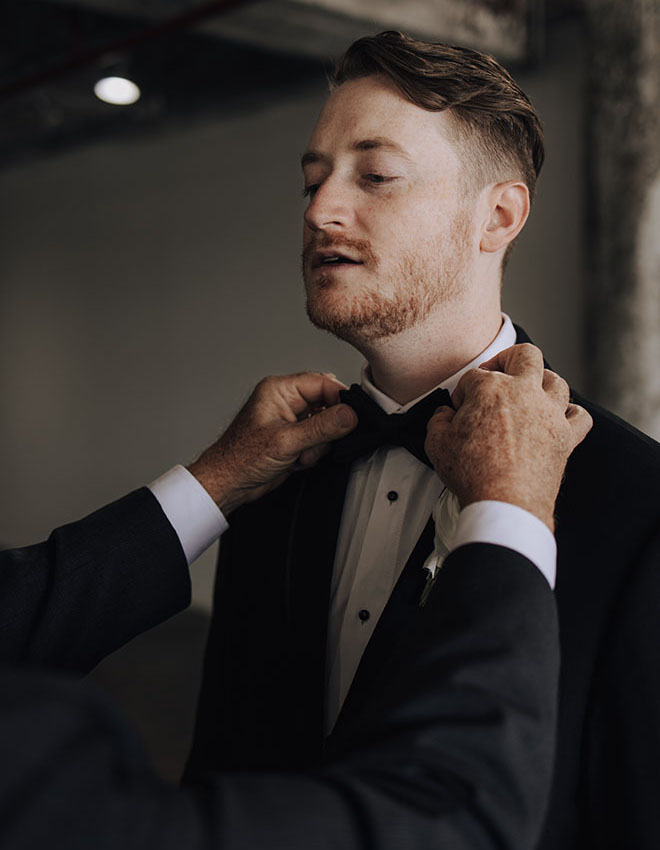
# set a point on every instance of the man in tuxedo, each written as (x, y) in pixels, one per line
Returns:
(420, 174)
(445, 756)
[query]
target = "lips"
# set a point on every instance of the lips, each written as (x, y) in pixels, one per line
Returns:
(330, 259)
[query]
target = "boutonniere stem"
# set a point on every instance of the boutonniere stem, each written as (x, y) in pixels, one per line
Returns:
(432, 572)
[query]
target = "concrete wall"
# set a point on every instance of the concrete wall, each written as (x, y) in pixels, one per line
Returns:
(146, 286)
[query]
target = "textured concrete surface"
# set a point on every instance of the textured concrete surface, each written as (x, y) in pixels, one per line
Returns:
(623, 165)
(323, 28)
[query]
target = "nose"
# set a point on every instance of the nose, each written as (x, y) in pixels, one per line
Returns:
(329, 207)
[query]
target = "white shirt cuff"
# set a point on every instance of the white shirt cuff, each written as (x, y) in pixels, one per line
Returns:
(508, 525)
(195, 517)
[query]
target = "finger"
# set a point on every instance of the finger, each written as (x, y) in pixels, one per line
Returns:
(524, 360)
(442, 414)
(307, 390)
(458, 395)
(311, 456)
(580, 423)
(435, 442)
(556, 387)
(333, 387)
(330, 389)
(437, 426)
(467, 385)
(333, 377)
(323, 427)
(493, 365)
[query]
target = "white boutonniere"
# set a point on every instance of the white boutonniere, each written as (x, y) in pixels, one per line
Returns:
(445, 516)
(432, 568)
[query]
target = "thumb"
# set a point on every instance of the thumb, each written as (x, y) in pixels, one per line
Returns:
(439, 423)
(441, 414)
(580, 423)
(436, 431)
(325, 426)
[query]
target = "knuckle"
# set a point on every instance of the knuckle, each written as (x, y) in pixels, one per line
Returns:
(586, 418)
(310, 456)
(473, 377)
(318, 426)
(489, 383)
(266, 382)
(557, 380)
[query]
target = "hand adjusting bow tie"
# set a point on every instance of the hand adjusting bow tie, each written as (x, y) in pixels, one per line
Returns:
(376, 428)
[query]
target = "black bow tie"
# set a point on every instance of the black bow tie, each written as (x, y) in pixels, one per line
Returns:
(376, 428)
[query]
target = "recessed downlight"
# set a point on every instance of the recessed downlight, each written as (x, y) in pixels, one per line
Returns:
(117, 90)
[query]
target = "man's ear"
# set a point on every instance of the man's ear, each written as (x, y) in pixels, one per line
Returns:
(508, 208)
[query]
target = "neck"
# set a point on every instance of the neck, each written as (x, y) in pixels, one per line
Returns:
(412, 363)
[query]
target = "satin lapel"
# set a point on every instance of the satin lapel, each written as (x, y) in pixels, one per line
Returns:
(400, 611)
(521, 336)
(568, 506)
(310, 560)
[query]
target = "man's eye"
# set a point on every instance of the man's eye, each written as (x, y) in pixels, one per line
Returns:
(377, 178)
(309, 191)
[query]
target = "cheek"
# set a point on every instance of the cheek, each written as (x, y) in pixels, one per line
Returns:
(412, 237)
(415, 221)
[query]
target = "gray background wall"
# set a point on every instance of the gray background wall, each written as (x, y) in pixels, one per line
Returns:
(146, 286)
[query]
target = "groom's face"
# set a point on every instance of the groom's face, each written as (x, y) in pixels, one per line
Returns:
(388, 235)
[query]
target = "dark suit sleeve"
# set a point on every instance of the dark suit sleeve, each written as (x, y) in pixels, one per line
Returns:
(454, 753)
(92, 586)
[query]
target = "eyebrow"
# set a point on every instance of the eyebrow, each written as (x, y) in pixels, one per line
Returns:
(377, 143)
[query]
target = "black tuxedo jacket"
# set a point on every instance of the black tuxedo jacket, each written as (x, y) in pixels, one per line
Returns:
(455, 750)
(262, 696)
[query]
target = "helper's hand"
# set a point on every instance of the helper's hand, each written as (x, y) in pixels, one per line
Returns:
(286, 424)
(511, 434)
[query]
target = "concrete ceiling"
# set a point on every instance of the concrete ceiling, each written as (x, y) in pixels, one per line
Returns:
(322, 28)
(195, 58)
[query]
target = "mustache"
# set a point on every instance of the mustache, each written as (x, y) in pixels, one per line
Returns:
(322, 241)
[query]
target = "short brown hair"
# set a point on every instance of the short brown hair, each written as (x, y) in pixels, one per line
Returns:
(494, 119)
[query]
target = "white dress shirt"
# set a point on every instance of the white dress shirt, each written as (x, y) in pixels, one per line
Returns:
(389, 499)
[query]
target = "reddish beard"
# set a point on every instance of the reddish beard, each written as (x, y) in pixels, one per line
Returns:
(418, 282)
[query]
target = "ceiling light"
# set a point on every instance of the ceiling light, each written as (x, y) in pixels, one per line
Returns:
(117, 90)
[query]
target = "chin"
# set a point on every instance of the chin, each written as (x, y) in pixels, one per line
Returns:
(360, 320)
(329, 310)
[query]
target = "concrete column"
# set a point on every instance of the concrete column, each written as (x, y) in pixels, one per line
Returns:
(623, 167)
